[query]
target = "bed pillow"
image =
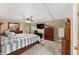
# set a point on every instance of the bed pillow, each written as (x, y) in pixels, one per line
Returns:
(10, 34)
(7, 33)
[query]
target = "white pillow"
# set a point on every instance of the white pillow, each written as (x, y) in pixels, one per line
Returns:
(10, 34)
(7, 33)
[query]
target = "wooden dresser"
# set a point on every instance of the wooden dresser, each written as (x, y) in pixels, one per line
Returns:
(66, 39)
(49, 33)
(0, 36)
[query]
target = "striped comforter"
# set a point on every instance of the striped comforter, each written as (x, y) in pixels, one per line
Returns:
(18, 42)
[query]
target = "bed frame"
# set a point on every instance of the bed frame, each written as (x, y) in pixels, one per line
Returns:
(20, 51)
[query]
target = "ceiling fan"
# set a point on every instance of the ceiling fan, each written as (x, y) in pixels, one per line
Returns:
(29, 19)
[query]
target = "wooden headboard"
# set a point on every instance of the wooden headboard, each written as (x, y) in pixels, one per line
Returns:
(0, 35)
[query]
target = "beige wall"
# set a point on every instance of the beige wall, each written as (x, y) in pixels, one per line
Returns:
(56, 24)
(25, 27)
(5, 24)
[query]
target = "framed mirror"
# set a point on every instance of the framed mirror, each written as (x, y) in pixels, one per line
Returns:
(13, 26)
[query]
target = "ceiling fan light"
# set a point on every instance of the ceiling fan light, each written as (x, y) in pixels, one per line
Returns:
(28, 21)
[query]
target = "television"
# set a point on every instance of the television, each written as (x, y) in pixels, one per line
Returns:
(40, 26)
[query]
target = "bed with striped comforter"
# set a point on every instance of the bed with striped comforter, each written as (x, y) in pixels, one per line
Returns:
(18, 42)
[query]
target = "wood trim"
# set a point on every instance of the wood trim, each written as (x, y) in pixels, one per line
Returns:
(20, 51)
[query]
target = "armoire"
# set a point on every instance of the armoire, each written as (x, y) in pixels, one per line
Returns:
(66, 39)
(49, 33)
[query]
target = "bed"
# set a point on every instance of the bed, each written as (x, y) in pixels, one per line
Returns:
(18, 44)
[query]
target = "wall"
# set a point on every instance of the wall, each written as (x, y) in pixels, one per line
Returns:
(29, 27)
(74, 36)
(56, 24)
(23, 26)
(5, 24)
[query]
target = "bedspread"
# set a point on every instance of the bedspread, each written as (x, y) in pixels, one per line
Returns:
(19, 42)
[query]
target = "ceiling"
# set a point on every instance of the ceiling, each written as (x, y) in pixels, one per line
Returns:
(40, 12)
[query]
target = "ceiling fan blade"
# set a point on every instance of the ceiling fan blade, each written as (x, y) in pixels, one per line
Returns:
(27, 19)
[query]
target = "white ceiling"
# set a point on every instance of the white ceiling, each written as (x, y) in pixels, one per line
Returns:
(40, 12)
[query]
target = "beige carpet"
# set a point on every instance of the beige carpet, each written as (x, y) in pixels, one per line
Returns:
(49, 48)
